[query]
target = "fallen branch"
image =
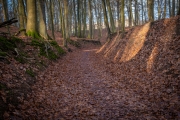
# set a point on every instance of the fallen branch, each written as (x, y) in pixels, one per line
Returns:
(8, 22)
(16, 34)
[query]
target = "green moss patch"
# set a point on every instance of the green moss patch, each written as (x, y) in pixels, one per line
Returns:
(51, 49)
(30, 72)
(9, 44)
(33, 34)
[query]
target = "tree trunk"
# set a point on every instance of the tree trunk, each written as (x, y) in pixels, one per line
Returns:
(90, 19)
(21, 16)
(179, 9)
(31, 19)
(75, 18)
(79, 17)
(113, 28)
(62, 20)
(84, 19)
(150, 10)
(52, 21)
(169, 2)
(142, 7)
(130, 13)
(66, 22)
(173, 7)
(5, 10)
(106, 18)
(164, 14)
(41, 24)
(122, 18)
(97, 18)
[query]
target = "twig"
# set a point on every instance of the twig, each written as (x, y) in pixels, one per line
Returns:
(15, 49)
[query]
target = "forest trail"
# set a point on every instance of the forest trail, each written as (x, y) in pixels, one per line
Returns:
(80, 87)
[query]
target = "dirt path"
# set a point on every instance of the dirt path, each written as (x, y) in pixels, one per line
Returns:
(80, 87)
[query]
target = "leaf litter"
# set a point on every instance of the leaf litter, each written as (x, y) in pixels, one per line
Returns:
(118, 81)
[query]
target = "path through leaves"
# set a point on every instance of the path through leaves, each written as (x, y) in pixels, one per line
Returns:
(83, 85)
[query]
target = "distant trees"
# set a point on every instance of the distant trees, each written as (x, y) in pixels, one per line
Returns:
(84, 18)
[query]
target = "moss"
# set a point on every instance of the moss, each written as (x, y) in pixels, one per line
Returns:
(21, 57)
(30, 72)
(37, 43)
(6, 44)
(58, 48)
(9, 44)
(50, 53)
(33, 34)
(3, 53)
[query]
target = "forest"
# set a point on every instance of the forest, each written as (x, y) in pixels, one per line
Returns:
(90, 59)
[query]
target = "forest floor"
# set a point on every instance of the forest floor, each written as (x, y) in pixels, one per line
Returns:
(80, 86)
(83, 85)
(87, 85)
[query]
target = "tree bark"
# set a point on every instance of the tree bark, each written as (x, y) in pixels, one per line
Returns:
(90, 19)
(21, 16)
(113, 28)
(66, 22)
(164, 14)
(106, 18)
(52, 21)
(31, 29)
(150, 10)
(41, 24)
(79, 17)
(122, 18)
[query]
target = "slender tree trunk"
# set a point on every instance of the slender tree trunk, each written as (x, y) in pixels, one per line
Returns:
(79, 17)
(122, 18)
(130, 13)
(90, 19)
(159, 9)
(164, 14)
(170, 14)
(100, 18)
(66, 22)
(62, 20)
(75, 18)
(41, 24)
(173, 8)
(42, 3)
(98, 22)
(179, 9)
(5, 10)
(136, 13)
(150, 10)
(106, 18)
(21, 16)
(142, 7)
(52, 21)
(118, 18)
(84, 19)
(113, 28)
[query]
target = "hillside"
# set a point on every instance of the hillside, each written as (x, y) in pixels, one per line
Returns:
(148, 60)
